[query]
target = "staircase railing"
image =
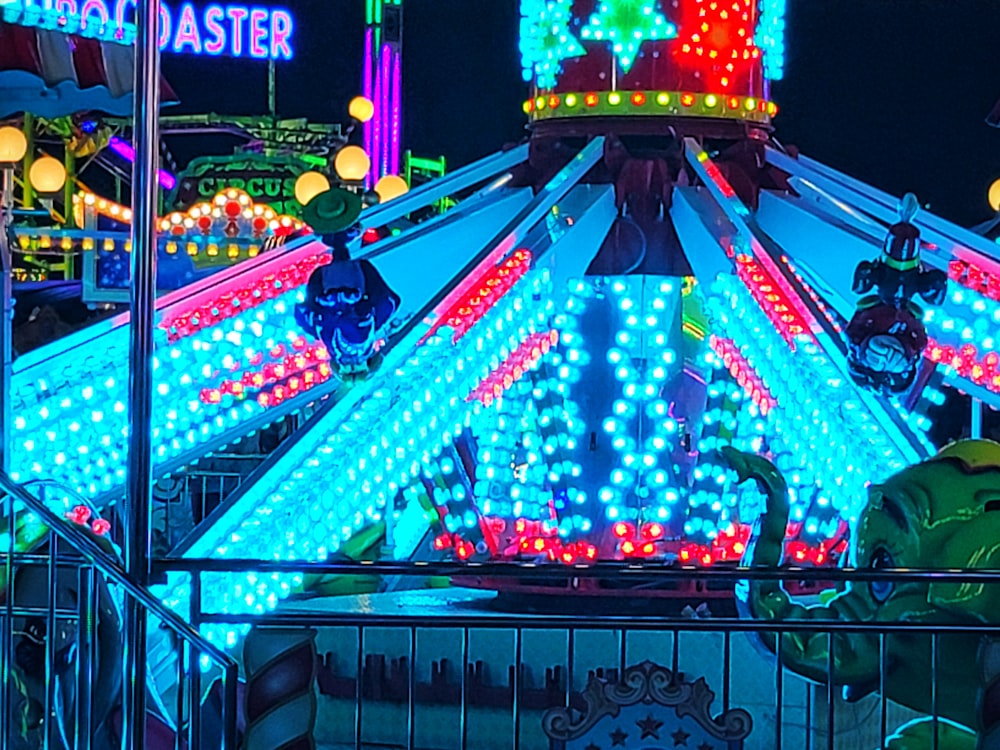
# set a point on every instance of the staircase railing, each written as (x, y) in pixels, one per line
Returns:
(61, 664)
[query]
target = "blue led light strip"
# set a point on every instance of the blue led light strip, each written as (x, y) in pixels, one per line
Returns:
(770, 37)
(348, 467)
(819, 418)
(71, 423)
(730, 419)
(910, 444)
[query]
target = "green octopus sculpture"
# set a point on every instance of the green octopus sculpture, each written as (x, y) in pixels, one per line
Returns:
(941, 513)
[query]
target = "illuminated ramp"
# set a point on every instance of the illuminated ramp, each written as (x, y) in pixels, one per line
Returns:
(335, 476)
(835, 221)
(229, 357)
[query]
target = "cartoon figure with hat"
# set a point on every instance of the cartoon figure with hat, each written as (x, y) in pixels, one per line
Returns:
(886, 336)
(348, 304)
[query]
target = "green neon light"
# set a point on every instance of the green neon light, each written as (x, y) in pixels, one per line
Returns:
(316, 161)
(437, 166)
(626, 24)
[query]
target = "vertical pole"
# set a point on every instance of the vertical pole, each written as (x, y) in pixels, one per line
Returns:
(976, 430)
(28, 193)
(390, 526)
(142, 299)
(69, 161)
(69, 188)
(272, 91)
(6, 315)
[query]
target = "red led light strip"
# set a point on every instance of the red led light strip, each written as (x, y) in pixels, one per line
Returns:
(730, 545)
(744, 373)
(781, 302)
(538, 538)
(977, 279)
(295, 384)
(513, 368)
(982, 370)
(81, 516)
(479, 296)
(291, 373)
(773, 300)
(717, 177)
(820, 304)
(240, 298)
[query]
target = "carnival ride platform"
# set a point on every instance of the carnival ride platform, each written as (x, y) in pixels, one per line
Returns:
(405, 416)
(774, 281)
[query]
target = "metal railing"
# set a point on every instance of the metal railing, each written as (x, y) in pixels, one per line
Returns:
(61, 647)
(397, 671)
(183, 501)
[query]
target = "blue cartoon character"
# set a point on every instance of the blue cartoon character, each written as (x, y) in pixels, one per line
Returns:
(886, 335)
(348, 304)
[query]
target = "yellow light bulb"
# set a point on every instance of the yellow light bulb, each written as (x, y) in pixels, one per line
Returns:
(361, 109)
(352, 163)
(13, 145)
(994, 195)
(47, 175)
(309, 185)
(390, 186)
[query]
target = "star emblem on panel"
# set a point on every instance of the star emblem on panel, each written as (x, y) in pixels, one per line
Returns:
(618, 737)
(649, 727)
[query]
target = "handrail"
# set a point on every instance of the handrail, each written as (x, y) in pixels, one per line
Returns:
(432, 191)
(493, 620)
(560, 572)
(950, 238)
(113, 570)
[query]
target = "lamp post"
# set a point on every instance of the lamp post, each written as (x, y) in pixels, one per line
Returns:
(142, 308)
(13, 146)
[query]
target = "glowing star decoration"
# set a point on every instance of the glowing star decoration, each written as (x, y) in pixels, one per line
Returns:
(546, 40)
(626, 24)
(718, 44)
(770, 37)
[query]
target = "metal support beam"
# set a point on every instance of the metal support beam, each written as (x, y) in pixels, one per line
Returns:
(28, 192)
(976, 430)
(145, 189)
(272, 90)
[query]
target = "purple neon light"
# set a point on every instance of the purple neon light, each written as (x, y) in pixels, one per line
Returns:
(397, 113)
(125, 151)
(368, 90)
(378, 129)
(385, 63)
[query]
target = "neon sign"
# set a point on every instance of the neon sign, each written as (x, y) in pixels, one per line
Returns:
(234, 30)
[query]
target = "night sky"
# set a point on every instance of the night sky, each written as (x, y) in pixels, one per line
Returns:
(893, 92)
